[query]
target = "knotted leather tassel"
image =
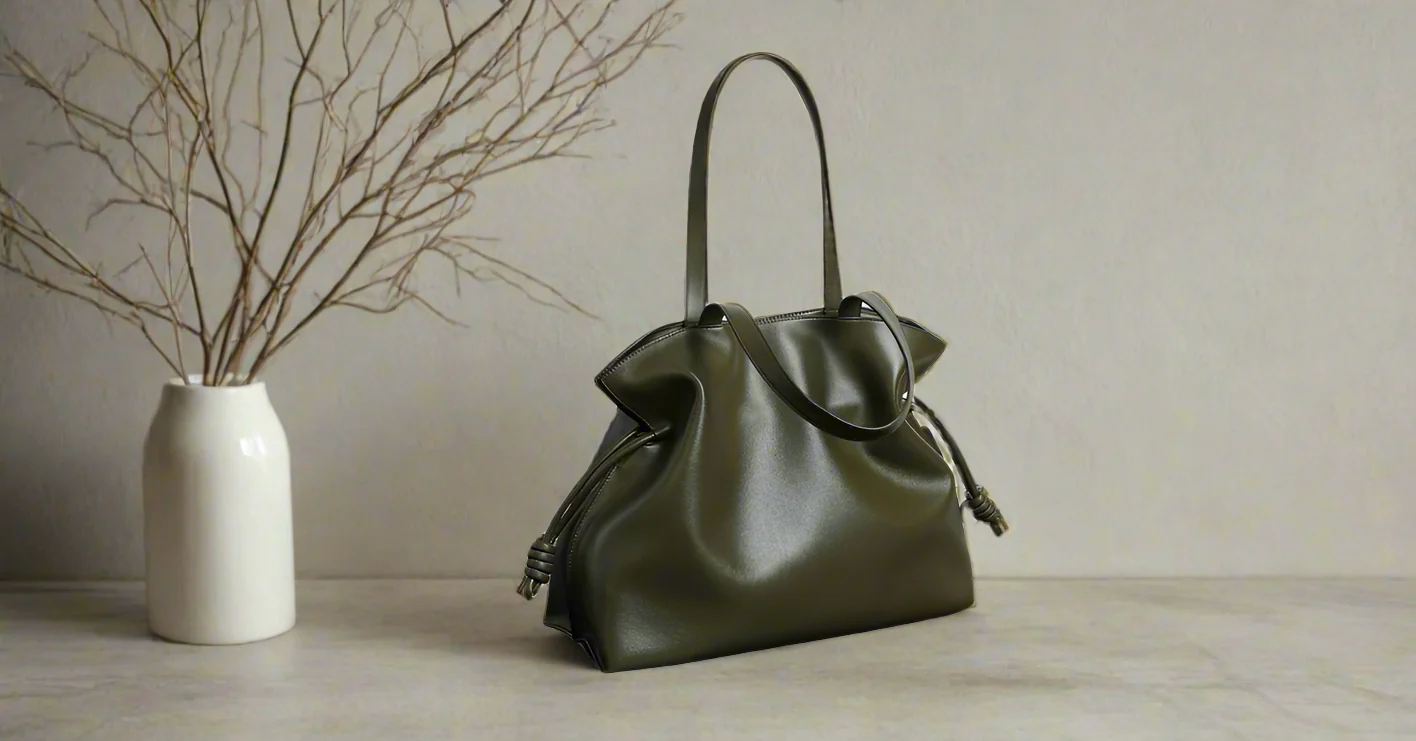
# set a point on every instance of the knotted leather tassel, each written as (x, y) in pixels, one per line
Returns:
(985, 510)
(541, 558)
(978, 499)
(539, 562)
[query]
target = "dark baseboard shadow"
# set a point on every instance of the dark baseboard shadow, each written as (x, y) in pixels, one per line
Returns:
(479, 629)
(100, 609)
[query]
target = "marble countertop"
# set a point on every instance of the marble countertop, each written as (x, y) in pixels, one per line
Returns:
(1036, 660)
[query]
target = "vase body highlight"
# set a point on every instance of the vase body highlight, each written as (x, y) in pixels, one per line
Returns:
(217, 525)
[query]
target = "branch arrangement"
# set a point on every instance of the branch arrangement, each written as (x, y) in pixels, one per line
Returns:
(321, 151)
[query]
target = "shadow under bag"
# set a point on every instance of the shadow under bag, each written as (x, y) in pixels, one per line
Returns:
(731, 506)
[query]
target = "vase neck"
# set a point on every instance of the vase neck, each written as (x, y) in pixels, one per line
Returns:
(197, 396)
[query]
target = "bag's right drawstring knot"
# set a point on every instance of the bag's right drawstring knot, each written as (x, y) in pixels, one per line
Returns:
(977, 498)
(986, 511)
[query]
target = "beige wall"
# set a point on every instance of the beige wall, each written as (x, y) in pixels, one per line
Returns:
(1173, 245)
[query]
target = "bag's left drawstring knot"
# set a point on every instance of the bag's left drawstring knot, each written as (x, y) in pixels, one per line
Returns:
(541, 558)
(539, 562)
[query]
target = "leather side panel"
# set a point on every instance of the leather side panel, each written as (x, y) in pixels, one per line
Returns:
(748, 528)
(558, 614)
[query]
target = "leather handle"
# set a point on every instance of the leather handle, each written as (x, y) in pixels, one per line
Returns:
(750, 337)
(696, 283)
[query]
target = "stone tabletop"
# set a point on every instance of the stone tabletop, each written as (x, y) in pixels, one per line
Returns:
(441, 660)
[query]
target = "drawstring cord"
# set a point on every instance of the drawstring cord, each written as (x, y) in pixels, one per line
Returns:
(984, 509)
(541, 558)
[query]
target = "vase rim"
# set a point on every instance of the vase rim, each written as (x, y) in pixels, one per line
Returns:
(194, 383)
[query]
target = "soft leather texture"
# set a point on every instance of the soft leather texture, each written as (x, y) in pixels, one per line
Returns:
(746, 527)
(764, 481)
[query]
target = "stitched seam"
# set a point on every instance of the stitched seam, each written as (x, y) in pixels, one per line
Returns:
(793, 315)
(600, 384)
(619, 363)
(644, 338)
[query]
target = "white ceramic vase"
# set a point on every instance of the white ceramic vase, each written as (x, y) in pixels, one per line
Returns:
(217, 516)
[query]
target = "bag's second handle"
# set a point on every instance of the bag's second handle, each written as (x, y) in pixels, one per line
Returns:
(696, 285)
(750, 337)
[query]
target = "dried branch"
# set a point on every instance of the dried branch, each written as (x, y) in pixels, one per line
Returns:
(355, 179)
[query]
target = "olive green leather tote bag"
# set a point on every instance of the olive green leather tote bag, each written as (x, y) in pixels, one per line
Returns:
(765, 481)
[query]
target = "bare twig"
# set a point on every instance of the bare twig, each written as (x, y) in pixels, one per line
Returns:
(392, 113)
